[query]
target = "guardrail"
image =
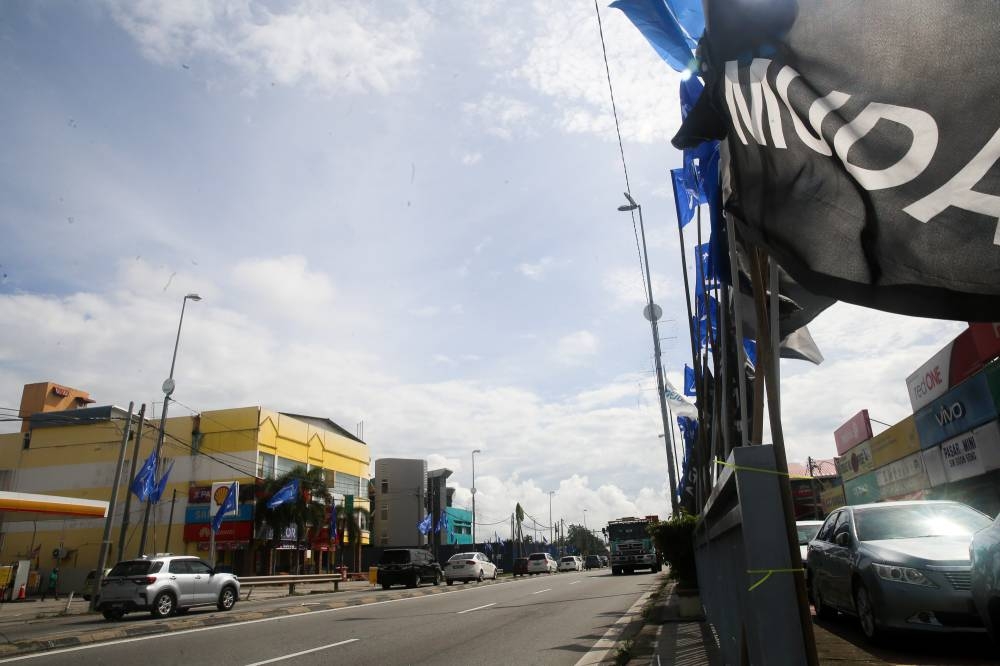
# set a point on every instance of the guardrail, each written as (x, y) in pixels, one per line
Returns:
(291, 581)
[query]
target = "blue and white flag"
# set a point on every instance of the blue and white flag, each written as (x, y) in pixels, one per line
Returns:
(144, 483)
(424, 526)
(672, 27)
(750, 347)
(228, 506)
(288, 493)
(161, 486)
(689, 388)
(442, 522)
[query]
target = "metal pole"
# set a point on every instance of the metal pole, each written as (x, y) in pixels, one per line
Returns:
(102, 559)
(128, 492)
(551, 529)
(741, 358)
(671, 473)
(474, 452)
(170, 523)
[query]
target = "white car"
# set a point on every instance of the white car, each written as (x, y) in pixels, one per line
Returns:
(571, 563)
(539, 563)
(467, 567)
(807, 530)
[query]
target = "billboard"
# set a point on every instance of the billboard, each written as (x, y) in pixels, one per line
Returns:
(895, 443)
(972, 453)
(960, 359)
(862, 490)
(968, 405)
(902, 477)
(856, 462)
(235, 531)
(857, 429)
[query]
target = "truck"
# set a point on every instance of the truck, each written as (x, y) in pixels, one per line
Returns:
(631, 545)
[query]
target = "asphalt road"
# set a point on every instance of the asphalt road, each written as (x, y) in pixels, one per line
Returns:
(553, 619)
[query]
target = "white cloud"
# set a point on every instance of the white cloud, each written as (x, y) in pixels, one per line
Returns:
(468, 159)
(627, 287)
(425, 311)
(537, 270)
(334, 47)
(576, 348)
(285, 285)
(502, 116)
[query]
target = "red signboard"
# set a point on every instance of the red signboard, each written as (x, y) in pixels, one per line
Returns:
(957, 361)
(240, 530)
(857, 429)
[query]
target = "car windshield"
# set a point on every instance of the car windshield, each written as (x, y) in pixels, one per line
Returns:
(132, 568)
(396, 557)
(908, 521)
(461, 556)
(627, 531)
(807, 532)
(537, 556)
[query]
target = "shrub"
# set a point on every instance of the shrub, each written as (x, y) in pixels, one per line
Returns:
(674, 538)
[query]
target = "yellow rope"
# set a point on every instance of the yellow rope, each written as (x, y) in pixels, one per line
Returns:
(767, 574)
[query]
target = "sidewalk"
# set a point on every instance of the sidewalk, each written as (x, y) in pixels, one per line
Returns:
(670, 638)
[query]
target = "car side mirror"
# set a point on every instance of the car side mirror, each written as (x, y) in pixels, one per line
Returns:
(843, 539)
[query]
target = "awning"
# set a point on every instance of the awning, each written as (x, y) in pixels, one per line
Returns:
(15, 507)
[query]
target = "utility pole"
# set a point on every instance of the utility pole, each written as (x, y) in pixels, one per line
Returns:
(128, 491)
(551, 527)
(102, 560)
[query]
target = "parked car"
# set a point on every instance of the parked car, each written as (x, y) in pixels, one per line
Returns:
(985, 555)
(165, 585)
(468, 567)
(570, 563)
(409, 567)
(605, 561)
(592, 562)
(90, 584)
(897, 565)
(807, 530)
(539, 563)
(520, 566)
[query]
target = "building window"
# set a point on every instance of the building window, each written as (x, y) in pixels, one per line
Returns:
(285, 465)
(346, 484)
(385, 486)
(384, 513)
(384, 539)
(265, 466)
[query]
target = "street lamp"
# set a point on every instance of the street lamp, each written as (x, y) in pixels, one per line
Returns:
(474, 452)
(585, 520)
(168, 389)
(652, 312)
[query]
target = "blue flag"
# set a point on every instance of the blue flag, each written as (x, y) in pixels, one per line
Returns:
(750, 347)
(333, 520)
(442, 522)
(689, 432)
(144, 483)
(228, 506)
(672, 27)
(685, 199)
(703, 321)
(288, 493)
(162, 485)
(424, 526)
(689, 381)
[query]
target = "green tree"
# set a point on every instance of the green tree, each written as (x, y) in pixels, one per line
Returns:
(583, 540)
(308, 509)
(350, 526)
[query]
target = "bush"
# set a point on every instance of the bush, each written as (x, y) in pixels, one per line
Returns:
(674, 538)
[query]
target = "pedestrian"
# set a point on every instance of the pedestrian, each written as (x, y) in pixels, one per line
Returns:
(53, 581)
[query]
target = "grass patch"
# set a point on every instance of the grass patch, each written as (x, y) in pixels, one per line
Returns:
(624, 652)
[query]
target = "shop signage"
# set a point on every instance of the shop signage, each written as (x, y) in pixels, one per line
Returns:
(203, 494)
(857, 429)
(862, 490)
(968, 405)
(934, 466)
(201, 514)
(895, 443)
(903, 476)
(234, 531)
(959, 360)
(832, 498)
(855, 462)
(961, 457)
(288, 533)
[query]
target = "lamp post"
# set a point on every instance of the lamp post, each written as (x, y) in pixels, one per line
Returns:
(474, 452)
(653, 312)
(551, 532)
(168, 389)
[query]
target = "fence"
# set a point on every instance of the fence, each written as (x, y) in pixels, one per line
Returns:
(743, 564)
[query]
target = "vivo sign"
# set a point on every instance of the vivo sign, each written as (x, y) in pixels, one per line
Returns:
(960, 359)
(958, 411)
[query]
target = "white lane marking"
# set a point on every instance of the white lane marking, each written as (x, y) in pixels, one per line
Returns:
(607, 642)
(548, 589)
(469, 610)
(575, 582)
(238, 623)
(299, 654)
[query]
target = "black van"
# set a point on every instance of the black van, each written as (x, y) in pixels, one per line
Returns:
(409, 567)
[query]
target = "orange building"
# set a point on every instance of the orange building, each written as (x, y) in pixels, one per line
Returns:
(49, 397)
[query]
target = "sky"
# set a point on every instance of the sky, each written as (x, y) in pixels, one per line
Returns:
(397, 213)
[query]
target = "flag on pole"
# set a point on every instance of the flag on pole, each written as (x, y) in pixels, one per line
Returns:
(678, 405)
(288, 493)
(161, 485)
(424, 526)
(144, 482)
(228, 506)
(689, 388)
(442, 522)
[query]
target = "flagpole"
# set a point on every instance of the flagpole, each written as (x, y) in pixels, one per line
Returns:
(128, 492)
(102, 559)
(170, 524)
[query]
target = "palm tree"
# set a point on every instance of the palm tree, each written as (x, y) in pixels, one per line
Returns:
(307, 509)
(350, 526)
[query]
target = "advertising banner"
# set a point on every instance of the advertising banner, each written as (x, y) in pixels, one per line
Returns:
(959, 360)
(857, 429)
(862, 490)
(968, 405)
(988, 444)
(934, 466)
(856, 462)
(234, 531)
(220, 491)
(200, 514)
(895, 443)
(961, 458)
(203, 494)
(832, 498)
(903, 476)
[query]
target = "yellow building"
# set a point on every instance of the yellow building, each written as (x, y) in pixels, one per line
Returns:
(73, 453)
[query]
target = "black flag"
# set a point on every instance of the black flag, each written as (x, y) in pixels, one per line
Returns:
(864, 140)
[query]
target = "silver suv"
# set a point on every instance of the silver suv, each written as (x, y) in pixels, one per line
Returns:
(165, 585)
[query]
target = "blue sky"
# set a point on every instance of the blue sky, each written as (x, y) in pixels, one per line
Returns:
(402, 213)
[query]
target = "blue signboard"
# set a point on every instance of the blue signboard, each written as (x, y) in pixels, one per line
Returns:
(961, 409)
(199, 514)
(862, 490)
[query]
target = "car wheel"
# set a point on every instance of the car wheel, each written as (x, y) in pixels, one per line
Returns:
(386, 586)
(823, 611)
(437, 577)
(227, 599)
(450, 582)
(866, 612)
(163, 605)
(479, 579)
(494, 573)
(414, 581)
(113, 614)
